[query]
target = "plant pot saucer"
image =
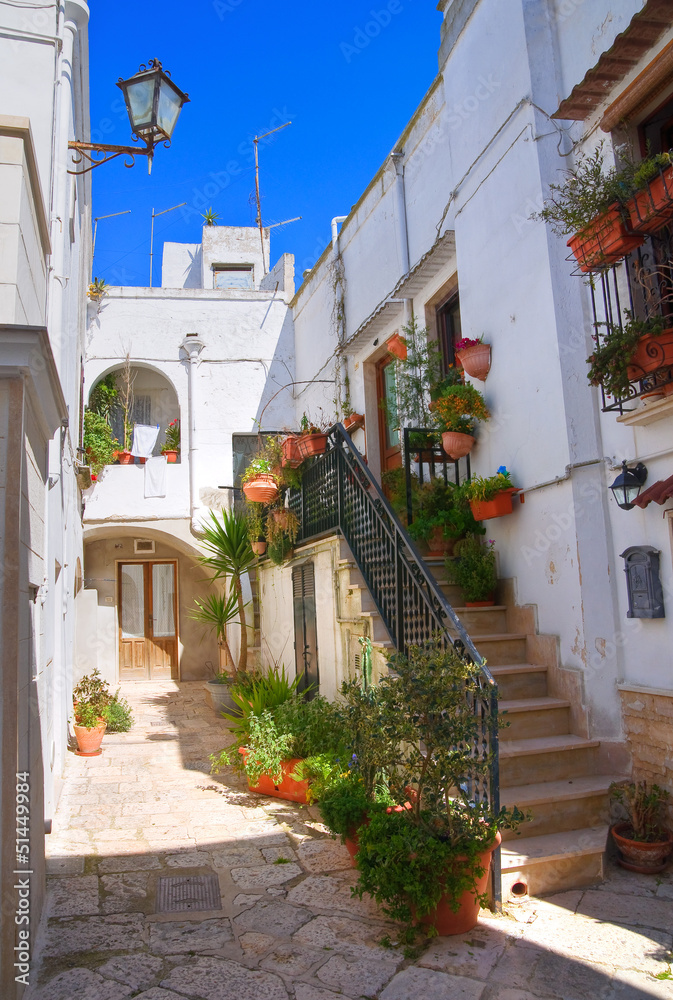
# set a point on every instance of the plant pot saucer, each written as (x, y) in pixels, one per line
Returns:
(641, 869)
(92, 753)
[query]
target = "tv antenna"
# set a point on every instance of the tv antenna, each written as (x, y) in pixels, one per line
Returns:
(258, 220)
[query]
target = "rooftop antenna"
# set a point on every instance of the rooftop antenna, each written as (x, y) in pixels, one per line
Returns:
(155, 215)
(95, 229)
(258, 220)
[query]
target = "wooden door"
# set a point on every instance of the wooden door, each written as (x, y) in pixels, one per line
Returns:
(148, 641)
(389, 432)
(305, 630)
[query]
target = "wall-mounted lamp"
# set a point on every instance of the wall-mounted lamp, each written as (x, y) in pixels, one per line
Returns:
(628, 485)
(153, 103)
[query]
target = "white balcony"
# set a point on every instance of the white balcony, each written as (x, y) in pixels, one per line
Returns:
(119, 495)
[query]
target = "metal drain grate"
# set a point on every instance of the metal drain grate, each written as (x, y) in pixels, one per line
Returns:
(194, 892)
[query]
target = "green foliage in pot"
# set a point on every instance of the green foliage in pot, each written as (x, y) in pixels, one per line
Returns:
(442, 505)
(118, 715)
(474, 568)
(99, 443)
(254, 694)
(486, 488)
(94, 701)
(103, 396)
(612, 353)
(229, 556)
(408, 859)
(459, 408)
(214, 612)
(279, 550)
(259, 466)
(418, 378)
(586, 193)
(645, 808)
(254, 518)
(210, 217)
(172, 437)
(344, 804)
(91, 691)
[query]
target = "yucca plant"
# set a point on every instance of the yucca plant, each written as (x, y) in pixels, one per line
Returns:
(230, 556)
(215, 612)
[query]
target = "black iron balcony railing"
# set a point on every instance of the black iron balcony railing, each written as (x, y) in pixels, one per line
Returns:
(339, 494)
(643, 285)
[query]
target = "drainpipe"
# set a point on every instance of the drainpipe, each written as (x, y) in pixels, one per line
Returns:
(192, 346)
(335, 227)
(397, 160)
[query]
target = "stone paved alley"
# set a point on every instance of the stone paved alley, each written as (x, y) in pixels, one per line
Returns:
(148, 808)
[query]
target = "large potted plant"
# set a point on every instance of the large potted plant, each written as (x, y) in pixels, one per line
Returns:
(644, 842)
(456, 412)
(96, 709)
(490, 496)
(418, 380)
(426, 862)
(474, 571)
(588, 207)
(441, 516)
(629, 352)
(214, 612)
(99, 443)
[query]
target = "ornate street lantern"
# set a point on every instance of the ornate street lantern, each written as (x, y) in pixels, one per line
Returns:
(153, 103)
(628, 485)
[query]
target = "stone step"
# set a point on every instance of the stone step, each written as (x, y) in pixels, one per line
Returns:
(483, 621)
(557, 806)
(546, 758)
(524, 718)
(553, 862)
(377, 629)
(502, 647)
(520, 680)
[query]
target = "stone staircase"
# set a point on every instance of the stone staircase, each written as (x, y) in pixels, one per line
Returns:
(549, 767)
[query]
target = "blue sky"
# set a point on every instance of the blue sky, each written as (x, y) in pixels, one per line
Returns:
(348, 75)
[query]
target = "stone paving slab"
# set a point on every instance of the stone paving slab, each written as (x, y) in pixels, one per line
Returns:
(289, 931)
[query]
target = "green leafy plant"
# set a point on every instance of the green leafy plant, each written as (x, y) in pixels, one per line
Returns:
(118, 715)
(474, 568)
(442, 506)
(280, 549)
(486, 488)
(87, 716)
(225, 538)
(645, 807)
(254, 518)
(210, 217)
(418, 378)
(344, 804)
(172, 437)
(266, 750)
(586, 193)
(649, 168)
(281, 523)
(98, 441)
(252, 697)
(125, 397)
(410, 856)
(103, 396)
(611, 356)
(458, 409)
(259, 466)
(92, 690)
(97, 290)
(215, 612)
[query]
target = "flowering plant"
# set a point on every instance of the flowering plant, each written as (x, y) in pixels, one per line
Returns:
(459, 408)
(172, 442)
(466, 342)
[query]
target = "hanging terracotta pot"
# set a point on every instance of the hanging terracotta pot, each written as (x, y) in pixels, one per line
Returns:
(354, 422)
(398, 346)
(291, 454)
(258, 547)
(457, 445)
(651, 209)
(604, 241)
(476, 360)
(499, 506)
(650, 354)
(311, 444)
(261, 489)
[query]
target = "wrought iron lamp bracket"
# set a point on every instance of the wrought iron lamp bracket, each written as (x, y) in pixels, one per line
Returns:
(99, 153)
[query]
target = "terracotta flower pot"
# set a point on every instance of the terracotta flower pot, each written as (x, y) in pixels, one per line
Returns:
(652, 208)
(293, 791)
(261, 489)
(438, 544)
(398, 346)
(354, 422)
(499, 506)
(291, 454)
(259, 548)
(311, 444)
(125, 457)
(443, 918)
(457, 445)
(604, 241)
(476, 360)
(650, 354)
(637, 856)
(170, 456)
(89, 740)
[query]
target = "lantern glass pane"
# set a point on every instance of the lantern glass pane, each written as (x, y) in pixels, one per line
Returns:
(140, 95)
(170, 103)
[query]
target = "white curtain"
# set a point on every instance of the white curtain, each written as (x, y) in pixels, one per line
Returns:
(163, 597)
(133, 601)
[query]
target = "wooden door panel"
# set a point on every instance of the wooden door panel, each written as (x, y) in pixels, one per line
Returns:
(148, 603)
(163, 659)
(132, 660)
